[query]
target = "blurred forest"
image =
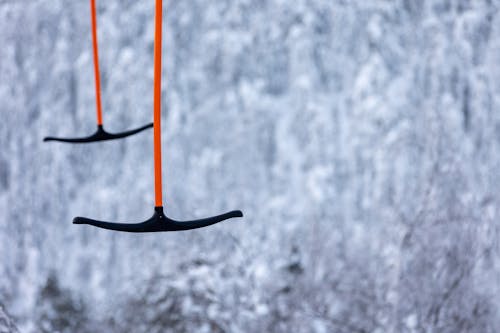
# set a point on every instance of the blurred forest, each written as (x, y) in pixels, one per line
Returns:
(360, 138)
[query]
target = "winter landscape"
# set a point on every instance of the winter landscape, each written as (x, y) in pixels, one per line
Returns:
(361, 139)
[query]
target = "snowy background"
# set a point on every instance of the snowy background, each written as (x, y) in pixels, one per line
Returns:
(360, 138)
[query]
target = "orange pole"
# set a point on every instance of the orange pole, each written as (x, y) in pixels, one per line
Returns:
(157, 104)
(96, 62)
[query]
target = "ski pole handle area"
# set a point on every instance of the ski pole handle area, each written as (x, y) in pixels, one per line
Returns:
(96, 62)
(157, 103)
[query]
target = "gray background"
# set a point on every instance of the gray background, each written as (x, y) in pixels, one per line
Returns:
(360, 138)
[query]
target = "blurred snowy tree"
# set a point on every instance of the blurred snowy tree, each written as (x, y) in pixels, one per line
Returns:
(57, 310)
(360, 138)
(6, 323)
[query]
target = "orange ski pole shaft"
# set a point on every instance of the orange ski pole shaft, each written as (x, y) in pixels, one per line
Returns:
(96, 62)
(157, 103)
